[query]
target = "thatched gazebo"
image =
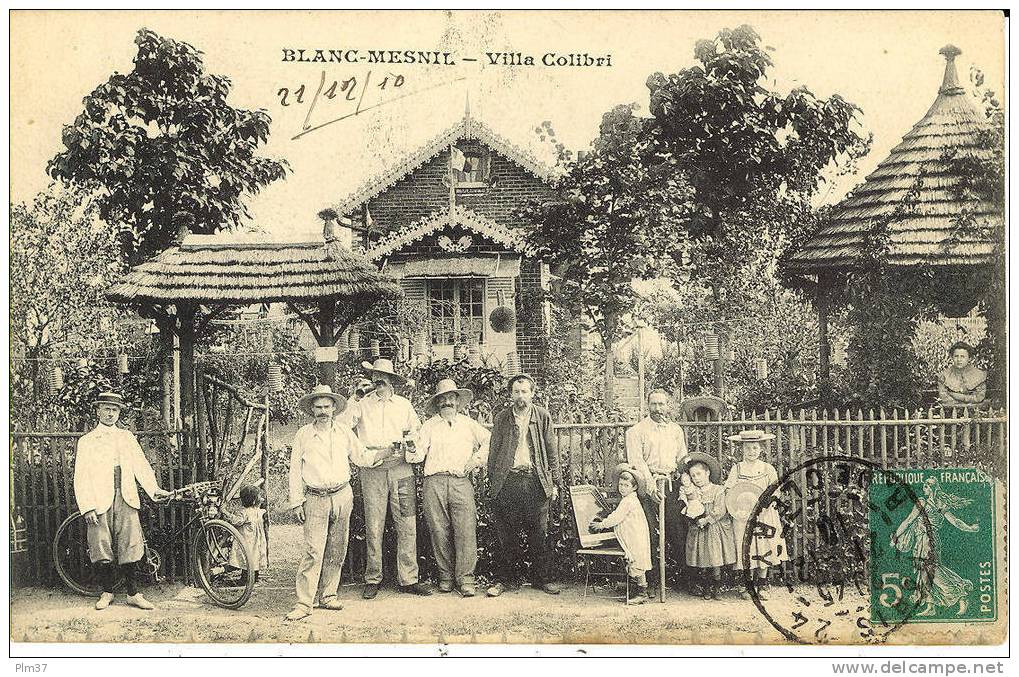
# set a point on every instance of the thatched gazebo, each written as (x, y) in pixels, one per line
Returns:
(912, 202)
(203, 276)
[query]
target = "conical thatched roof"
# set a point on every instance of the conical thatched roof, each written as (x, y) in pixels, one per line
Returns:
(912, 192)
(231, 269)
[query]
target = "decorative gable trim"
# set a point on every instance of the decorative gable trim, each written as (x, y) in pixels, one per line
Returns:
(441, 218)
(466, 128)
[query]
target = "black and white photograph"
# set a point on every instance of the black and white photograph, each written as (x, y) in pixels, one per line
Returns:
(629, 330)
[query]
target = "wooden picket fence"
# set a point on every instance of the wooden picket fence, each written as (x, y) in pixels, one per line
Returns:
(42, 467)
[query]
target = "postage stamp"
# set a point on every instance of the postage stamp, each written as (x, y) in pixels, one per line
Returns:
(958, 581)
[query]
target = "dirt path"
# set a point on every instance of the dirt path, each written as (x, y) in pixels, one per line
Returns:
(527, 616)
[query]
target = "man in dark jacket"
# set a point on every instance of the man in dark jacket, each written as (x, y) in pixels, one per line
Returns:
(523, 474)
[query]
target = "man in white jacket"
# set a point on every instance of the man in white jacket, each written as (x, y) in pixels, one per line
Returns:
(109, 465)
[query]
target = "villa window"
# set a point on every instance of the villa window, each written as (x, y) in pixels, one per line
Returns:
(456, 309)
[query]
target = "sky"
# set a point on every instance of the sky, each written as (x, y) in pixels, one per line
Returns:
(887, 63)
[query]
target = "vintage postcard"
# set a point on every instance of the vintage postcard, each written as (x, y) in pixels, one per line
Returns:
(508, 327)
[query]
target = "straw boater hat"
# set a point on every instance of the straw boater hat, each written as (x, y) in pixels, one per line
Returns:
(751, 436)
(638, 478)
(448, 385)
(304, 404)
(714, 469)
(384, 366)
(116, 399)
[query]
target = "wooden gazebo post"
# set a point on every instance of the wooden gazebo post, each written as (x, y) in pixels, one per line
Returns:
(822, 304)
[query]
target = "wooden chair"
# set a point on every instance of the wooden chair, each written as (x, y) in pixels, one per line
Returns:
(587, 501)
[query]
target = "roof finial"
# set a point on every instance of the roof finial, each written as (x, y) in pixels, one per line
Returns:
(950, 85)
(467, 104)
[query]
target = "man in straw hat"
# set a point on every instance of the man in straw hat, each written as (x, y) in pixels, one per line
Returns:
(383, 421)
(523, 477)
(108, 467)
(452, 446)
(321, 498)
(655, 447)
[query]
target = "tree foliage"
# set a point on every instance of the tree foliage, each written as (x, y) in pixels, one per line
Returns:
(163, 139)
(747, 151)
(617, 223)
(62, 262)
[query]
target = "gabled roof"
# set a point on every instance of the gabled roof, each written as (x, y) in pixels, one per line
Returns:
(466, 128)
(232, 269)
(439, 219)
(912, 190)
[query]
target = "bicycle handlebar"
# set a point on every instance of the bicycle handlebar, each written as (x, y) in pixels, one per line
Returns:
(192, 491)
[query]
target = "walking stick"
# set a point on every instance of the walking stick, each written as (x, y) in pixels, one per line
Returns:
(661, 540)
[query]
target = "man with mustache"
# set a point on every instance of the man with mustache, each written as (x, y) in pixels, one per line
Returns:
(523, 473)
(383, 420)
(452, 446)
(655, 447)
(321, 498)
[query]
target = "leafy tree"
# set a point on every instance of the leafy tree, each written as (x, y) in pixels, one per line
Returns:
(163, 139)
(62, 261)
(749, 153)
(617, 223)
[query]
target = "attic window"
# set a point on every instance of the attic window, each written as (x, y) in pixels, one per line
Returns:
(476, 170)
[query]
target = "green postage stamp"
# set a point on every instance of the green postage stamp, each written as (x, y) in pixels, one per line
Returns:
(932, 548)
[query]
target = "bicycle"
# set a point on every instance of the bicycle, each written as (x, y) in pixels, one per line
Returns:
(219, 559)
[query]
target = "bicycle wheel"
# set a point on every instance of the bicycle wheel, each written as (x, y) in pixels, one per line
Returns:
(71, 557)
(222, 564)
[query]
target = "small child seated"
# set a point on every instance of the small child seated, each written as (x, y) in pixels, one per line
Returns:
(691, 497)
(629, 525)
(250, 523)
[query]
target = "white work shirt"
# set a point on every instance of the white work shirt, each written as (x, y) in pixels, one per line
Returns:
(655, 448)
(448, 446)
(381, 423)
(522, 457)
(98, 453)
(321, 459)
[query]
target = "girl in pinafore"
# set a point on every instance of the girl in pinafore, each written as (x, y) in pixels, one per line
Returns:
(709, 545)
(629, 525)
(765, 550)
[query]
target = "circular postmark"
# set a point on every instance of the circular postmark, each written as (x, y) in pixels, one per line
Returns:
(822, 520)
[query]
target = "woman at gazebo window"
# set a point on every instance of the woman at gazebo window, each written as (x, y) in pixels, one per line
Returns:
(962, 384)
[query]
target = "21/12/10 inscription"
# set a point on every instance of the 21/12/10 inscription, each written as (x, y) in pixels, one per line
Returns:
(355, 94)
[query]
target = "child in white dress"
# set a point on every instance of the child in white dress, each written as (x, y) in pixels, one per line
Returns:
(629, 525)
(251, 524)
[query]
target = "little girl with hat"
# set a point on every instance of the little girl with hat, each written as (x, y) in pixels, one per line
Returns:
(709, 546)
(753, 476)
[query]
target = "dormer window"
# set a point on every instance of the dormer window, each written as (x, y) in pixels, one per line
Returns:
(476, 170)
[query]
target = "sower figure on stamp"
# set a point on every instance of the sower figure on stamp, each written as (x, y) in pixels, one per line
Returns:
(452, 446)
(108, 467)
(655, 447)
(383, 420)
(523, 474)
(321, 498)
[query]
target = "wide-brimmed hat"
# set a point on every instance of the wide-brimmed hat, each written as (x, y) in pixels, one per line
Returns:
(443, 387)
(740, 500)
(116, 399)
(304, 404)
(751, 436)
(714, 469)
(638, 478)
(386, 367)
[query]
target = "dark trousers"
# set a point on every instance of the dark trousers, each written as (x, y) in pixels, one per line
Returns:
(110, 574)
(676, 525)
(522, 506)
